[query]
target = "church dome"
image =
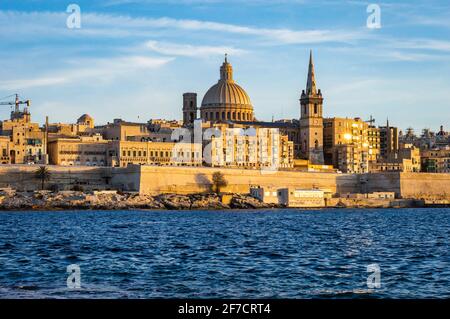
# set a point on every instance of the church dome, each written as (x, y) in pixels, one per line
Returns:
(86, 119)
(226, 100)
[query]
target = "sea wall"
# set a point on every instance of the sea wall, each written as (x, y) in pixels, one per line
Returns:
(425, 185)
(22, 178)
(153, 180)
(187, 180)
(408, 185)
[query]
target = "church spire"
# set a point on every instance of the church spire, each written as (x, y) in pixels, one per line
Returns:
(311, 82)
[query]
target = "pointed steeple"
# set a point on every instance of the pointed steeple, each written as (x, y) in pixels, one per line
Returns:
(311, 88)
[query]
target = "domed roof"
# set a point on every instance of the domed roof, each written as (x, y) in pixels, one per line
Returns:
(84, 118)
(226, 93)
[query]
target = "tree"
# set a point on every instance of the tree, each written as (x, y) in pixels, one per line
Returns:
(219, 181)
(43, 174)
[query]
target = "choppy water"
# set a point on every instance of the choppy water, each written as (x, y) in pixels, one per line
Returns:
(229, 254)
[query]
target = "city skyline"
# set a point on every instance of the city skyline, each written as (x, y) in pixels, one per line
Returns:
(135, 59)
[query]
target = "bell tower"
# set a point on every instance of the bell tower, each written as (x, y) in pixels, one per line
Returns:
(189, 108)
(311, 120)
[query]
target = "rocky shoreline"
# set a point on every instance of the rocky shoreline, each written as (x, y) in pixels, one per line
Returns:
(112, 200)
(12, 200)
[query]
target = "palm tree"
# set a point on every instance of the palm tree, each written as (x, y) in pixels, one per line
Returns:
(43, 174)
(219, 181)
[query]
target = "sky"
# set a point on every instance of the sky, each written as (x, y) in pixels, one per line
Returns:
(133, 59)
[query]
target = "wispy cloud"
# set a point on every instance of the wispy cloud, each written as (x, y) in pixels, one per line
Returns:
(99, 69)
(422, 44)
(93, 24)
(175, 49)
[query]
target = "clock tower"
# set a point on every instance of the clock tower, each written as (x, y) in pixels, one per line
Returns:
(311, 120)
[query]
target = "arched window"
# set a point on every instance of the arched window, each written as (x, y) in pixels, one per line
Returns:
(315, 108)
(316, 144)
(217, 116)
(223, 116)
(228, 116)
(239, 116)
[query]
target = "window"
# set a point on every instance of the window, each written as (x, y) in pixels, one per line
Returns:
(315, 108)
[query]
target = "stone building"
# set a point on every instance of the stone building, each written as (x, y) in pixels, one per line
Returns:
(120, 130)
(27, 142)
(4, 150)
(84, 125)
(122, 153)
(346, 144)
(388, 141)
(96, 151)
(436, 161)
(78, 151)
(238, 145)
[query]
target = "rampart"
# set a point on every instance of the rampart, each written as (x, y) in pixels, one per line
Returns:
(154, 180)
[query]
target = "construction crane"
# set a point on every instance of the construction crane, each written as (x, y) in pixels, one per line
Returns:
(16, 103)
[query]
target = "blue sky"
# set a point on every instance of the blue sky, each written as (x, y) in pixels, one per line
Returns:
(133, 59)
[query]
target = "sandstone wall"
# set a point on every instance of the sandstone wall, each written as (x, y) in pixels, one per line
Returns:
(188, 180)
(425, 185)
(21, 177)
(185, 180)
(408, 185)
(380, 182)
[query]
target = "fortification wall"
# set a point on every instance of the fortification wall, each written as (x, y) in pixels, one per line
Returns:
(185, 180)
(380, 182)
(425, 185)
(408, 185)
(22, 178)
(188, 180)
